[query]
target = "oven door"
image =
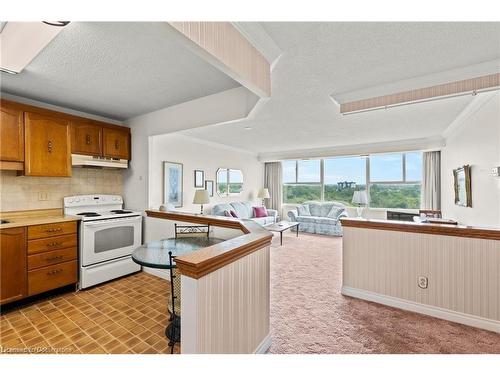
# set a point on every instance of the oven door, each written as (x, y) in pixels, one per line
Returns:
(103, 240)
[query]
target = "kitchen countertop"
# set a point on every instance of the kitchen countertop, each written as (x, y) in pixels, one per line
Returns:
(34, 217)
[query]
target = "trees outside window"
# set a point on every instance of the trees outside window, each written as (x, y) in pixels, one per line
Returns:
(391, 180)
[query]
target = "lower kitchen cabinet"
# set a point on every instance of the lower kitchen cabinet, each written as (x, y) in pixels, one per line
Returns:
(52, 277)
(36, 259)
(12, 264)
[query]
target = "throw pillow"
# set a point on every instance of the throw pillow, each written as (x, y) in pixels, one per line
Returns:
(303, 210)
(335, 212)
(260, 212)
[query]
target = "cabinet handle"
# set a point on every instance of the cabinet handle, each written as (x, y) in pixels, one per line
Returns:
(117, 144)
(88, 139)
(49, 146)
(53, 230)
(54, 258)
(52, 244)
(54, 272)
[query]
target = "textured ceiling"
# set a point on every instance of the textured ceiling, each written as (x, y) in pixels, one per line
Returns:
(117, 70)
(323, 59)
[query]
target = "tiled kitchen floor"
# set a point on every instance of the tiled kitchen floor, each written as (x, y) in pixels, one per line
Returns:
(127, 315)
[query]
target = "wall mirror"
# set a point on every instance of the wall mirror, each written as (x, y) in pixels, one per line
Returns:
(463, 193)
(229, 181)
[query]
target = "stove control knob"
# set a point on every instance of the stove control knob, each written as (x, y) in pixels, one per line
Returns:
(77, 200)
(70, 200)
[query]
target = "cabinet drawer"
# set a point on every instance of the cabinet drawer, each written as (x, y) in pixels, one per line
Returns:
(52, 277)
(51, 243)
(51, 257)
(53, 229)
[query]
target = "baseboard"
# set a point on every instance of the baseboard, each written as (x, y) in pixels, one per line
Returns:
(264, 345)
(164, 274)
(437, 312)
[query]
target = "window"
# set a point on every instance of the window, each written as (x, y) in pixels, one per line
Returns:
(302, 181)
(391, 180)
(342, 177)
(395, 195)
(229, 181)
(395, 180)
(289, 171)
(388, 167)
(301, 193)
(309, 171)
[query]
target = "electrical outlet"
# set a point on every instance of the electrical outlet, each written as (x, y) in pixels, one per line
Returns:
(422, 282)
(43, 196)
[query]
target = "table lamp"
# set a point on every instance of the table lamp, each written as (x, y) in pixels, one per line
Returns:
(360, 198)
(201, 197)
(263, 194)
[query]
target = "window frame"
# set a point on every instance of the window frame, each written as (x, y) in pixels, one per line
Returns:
(299, 183)
(227, 192)
(368, 183)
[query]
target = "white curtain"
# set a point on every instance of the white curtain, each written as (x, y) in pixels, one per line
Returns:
(273, 180)
(431, 181)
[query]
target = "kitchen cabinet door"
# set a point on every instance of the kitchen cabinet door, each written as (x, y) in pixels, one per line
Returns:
(86, 138)
(11, 133)
(47, 145)
(12, 264)
(116, 143)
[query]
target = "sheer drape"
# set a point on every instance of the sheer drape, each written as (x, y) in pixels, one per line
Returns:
(431, 181)
(273, 180)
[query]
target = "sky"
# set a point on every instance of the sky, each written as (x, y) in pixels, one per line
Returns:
(383, 167)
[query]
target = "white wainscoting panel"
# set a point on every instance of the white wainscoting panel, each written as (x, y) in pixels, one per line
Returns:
(227, 311)
(463, 273)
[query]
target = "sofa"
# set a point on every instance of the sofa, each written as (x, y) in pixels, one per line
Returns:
(319, 217)
(244, 210)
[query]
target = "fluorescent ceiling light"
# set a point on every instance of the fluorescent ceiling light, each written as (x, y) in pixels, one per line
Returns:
(21, 42)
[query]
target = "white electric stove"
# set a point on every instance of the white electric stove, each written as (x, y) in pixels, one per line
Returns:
(108, 235)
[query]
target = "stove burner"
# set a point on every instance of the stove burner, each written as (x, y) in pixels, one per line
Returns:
(88, 214)
(120, 212)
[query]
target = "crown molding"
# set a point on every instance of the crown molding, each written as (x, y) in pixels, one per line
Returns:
(418, 144)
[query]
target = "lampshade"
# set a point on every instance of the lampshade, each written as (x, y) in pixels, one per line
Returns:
(201, 197)
(263, 193)
(360, 197)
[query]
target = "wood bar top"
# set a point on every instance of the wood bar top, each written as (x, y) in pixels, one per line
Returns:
(427, 228)
(204, 261)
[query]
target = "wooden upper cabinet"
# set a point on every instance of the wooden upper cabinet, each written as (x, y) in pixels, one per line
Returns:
(86, 138)
(12, 264)
(47, 145)
(116, 143)
(11, 133)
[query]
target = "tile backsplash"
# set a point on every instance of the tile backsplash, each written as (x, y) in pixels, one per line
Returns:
(19, 193)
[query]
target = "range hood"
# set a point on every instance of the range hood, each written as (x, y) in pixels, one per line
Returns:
(97, 162)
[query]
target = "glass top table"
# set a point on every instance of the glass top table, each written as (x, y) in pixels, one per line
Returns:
(155, 254)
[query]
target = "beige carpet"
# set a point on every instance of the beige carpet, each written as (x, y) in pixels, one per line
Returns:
(309, 315)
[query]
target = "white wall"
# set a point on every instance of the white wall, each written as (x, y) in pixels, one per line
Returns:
(474, 141)
(226, 106)
(197, 154)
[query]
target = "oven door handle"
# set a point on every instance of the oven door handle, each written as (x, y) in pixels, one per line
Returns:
(100, 223)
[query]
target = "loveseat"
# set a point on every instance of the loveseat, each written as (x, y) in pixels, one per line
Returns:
(319, 217)
(244, 210)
